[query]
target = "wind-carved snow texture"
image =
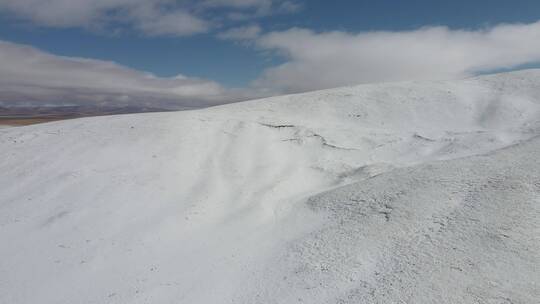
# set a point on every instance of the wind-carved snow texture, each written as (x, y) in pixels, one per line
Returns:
(418, 192)
(460, 231)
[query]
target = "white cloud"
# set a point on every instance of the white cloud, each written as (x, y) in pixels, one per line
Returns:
(28, 75)
(330, 59)
(241, 33)
(313, 61)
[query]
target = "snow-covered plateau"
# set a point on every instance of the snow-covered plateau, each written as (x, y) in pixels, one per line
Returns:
(413, 192)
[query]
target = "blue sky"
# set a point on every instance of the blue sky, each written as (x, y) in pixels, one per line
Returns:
(196, 47)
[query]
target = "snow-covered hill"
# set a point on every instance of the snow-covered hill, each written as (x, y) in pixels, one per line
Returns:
(366, 194)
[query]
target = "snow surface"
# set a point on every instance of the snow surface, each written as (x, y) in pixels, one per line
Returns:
(417, 192)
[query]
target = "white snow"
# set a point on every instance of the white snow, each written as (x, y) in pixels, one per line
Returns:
(417, 192)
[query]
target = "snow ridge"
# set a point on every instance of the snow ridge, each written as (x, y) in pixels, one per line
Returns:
(418, 192)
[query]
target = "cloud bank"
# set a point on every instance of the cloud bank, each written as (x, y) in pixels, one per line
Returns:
(313, 60)
(29, 76)
(331, 59)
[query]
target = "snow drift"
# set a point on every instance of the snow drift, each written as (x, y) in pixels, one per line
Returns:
(416, 192)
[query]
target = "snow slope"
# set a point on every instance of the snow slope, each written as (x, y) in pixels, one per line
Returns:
(366, 194)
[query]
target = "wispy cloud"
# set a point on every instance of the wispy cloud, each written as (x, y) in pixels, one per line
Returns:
(249, 32)
(31, 76)
(330, 59)
(149, 17)
(259, 4)
(259, 7)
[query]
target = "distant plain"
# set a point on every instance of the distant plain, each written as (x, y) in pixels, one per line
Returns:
(25, 121)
